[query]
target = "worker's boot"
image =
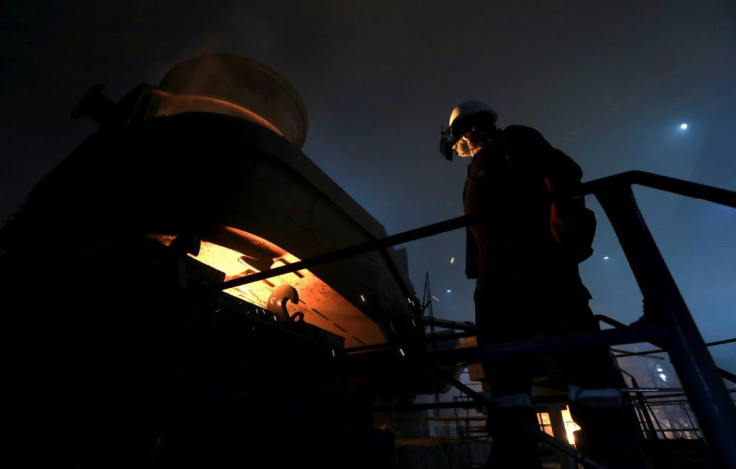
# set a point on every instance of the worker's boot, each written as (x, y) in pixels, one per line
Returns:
(610, 441)
(513, 447)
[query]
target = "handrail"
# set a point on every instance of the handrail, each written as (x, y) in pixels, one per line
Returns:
(665, 183)
(612, 322)
(666, 307)
(690, 189)
(682, 340)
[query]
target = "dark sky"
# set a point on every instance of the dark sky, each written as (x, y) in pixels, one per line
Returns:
(609, 83)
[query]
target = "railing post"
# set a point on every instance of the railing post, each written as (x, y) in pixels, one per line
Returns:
(695, 367)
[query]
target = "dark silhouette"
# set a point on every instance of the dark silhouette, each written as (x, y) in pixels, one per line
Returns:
(528, 285)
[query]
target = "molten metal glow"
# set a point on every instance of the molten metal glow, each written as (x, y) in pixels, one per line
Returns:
(321, 305)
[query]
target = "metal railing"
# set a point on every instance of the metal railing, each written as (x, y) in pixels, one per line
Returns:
(688, 352)
(667, 322)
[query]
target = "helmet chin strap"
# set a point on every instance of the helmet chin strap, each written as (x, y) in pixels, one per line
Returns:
(479, 144)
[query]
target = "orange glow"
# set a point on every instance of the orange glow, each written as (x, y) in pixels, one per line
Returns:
(545, 424)
(168, 104)
(321, 305)
(570, 425)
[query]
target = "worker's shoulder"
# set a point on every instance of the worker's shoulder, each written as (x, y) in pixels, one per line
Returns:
(520, 131)
(522, 136)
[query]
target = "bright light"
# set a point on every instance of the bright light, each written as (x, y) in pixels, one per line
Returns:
(605, 258)
(683, 126)
(449, 291)
(452, 260)
(544, 420)
(570, 426)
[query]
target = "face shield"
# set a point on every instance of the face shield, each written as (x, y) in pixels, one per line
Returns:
(447, 142)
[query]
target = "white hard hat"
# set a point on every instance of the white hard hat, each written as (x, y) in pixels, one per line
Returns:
(468, 108)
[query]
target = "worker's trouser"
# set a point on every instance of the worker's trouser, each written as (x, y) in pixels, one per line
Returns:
(512, 444)
(549, 304)
(607, 436)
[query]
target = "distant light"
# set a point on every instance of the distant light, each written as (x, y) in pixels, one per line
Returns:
(435, 299)
(663, 377)
(683, 126)
(452, 260)
(362, 298)
(605, 258)
(449, 291)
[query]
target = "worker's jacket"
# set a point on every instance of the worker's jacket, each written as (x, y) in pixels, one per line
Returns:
(506, 180)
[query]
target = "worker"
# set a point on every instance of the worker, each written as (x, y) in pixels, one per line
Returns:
(528, 286)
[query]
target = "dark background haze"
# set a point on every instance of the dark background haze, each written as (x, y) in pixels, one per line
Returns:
(607, 82)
